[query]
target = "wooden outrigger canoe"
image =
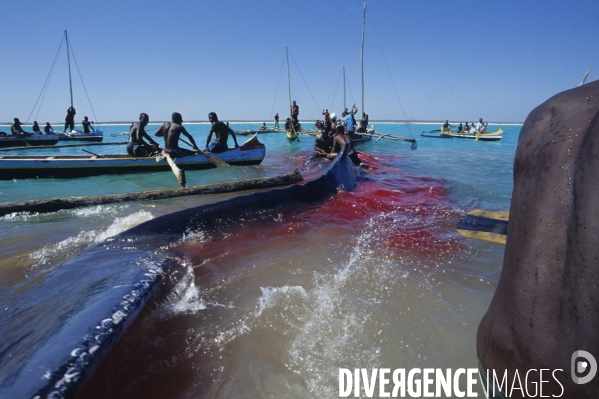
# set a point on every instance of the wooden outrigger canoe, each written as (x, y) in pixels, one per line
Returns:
(493, 136)
(259, 131)
(95, 137)
(252, 152)
(29, 141)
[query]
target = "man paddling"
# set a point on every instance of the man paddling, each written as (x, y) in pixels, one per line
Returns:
(221, 131)
(171, 132)
(137, 147)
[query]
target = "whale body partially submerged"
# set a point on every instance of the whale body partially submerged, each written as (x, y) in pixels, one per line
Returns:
(546, 306)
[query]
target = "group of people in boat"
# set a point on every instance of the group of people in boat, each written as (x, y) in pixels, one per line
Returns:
(16, 128)
(334, 133)
(477, 128)
(171, 132)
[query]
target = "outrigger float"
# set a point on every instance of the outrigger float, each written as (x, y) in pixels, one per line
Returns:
(252, 152)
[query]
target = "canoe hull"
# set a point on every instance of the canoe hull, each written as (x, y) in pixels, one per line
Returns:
(74, 166)
(31, 141)
(93, 137)
(494, 136)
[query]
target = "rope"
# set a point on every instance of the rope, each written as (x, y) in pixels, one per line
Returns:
(334, 91)
(45, 86)
(317, 107)
(394, 88)
(83, 84)
(276, 91)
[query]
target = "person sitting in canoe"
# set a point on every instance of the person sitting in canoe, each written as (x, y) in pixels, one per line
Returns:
(87, 124)
(460, 128)
(324, 142)
(466, 128)
(36, 127)
(48, 128)
(69, 120)
(446, 126)
(263, 127)
(221, 131)
(363, 124)
(480, 126)
(17, 130)
(137, 147)
(171, 132)
(338, 142)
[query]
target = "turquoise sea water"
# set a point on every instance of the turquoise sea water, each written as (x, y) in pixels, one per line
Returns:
(373, 278)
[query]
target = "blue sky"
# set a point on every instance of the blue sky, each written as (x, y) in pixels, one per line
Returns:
(424, 60)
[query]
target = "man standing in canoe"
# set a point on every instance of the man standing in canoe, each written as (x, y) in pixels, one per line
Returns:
(222, 131)
(171, 132)
(69, 121)
(277, 120)
(350, 121)
(137, 147)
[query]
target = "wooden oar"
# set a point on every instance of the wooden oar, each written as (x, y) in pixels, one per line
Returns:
(213, 160)
(93, 153)
(485, 225)
(179, 173)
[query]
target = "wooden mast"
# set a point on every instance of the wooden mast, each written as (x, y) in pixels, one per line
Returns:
(66, 38)
(362, 56)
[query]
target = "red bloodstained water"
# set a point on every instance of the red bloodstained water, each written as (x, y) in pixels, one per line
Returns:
(413, 212)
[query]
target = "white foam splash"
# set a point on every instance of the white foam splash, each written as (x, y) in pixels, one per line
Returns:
(66, 246)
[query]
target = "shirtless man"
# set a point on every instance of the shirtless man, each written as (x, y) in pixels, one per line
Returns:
(17, 130)
(137, 147)
(221, 131)
(88, 126)
(338, 142)
(171, 132)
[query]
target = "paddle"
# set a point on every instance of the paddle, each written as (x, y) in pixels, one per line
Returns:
(179, 173)
(93, 153)
(484, 225)
(213, 160)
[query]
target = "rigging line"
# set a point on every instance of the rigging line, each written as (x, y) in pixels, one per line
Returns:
(300, 72)
(392, 82)
(334, 91)
(81, 78)
(276, 91)
(351, 93)
(45, 86)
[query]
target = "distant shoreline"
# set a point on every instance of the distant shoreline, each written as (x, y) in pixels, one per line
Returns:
(306, 122)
